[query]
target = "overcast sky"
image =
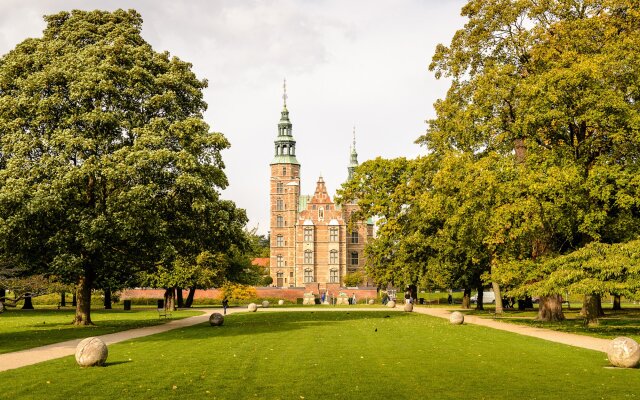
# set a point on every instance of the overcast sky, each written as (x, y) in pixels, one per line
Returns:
(362, 63)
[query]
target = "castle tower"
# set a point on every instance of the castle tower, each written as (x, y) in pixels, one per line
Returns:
(284, 198)
(353, 162)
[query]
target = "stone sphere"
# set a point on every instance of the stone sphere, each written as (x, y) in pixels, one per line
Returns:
(408, 307)
(280, 302)
(372, 301)
(391, 304)
(265, 304)
(623, 352)
(252, 307)
(216, 319)
(456, 318)
(91, 352)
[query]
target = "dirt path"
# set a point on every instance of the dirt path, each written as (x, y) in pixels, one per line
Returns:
(57, 350)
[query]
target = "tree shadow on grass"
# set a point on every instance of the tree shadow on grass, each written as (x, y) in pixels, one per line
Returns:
(251, 324)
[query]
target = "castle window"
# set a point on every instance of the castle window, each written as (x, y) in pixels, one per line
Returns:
(333, 234)
(279, 205)
(308, 275)
(279, 241)
(279, 221)
(280, 187)
(308, 234)
(333, 275)
(354, 258)
(333, 257)
(280, 279)
(354, 236)
(284, 171)
(308, 257)
(279, 261)
(320, 213)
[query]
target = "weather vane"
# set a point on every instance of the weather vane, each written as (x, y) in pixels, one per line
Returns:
(284, 94)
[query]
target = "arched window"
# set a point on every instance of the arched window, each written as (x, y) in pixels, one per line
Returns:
(333, 257)
(308, 275)
(320, 213)
(279, 261)
(354, 258)
(308, 234)
(279, 221)
(308, 257)
(284, 171)
(333, 275)
(333, 234)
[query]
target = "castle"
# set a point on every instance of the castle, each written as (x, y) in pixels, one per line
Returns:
(313, 244)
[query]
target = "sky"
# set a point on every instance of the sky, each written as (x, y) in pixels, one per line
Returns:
(355, 63)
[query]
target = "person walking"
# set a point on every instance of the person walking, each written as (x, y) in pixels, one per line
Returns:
(225, 304)
(353, 299)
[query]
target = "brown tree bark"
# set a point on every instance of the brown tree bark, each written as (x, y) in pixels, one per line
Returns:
(617, 302)
(3, 294)
(74, 300)
(498, 296)
(170, 299)
(107, 299)
(550, 308)
(179, 297)
(189, 302)
(479, 302)
(466, 298)
(83, 296)
(63, 299)
(590, 309)
(28, 304)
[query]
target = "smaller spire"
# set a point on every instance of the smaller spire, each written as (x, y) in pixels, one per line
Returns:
(284, 92)
(353, 162)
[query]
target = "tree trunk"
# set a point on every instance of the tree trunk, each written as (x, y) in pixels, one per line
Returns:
(617, 302)
(28, 305)
(479, 302)
(590, 309)
(74, 299)
(179, 298)
(550, 308)
(466, 299)
(169, 298)
(83, 297)
(192, 292)
(498, 296)
(3, 294)
(599, 303)
(63, 299)
(107, 299)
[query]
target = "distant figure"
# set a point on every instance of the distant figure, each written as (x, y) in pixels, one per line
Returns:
(407, 297)
(353, 299)
(450, 299)
(385, 298)
(323, 297)
(225, 304)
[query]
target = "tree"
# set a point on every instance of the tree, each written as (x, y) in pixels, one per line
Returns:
(106, 165)
(552, 85)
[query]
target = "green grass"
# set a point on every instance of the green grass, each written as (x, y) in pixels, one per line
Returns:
(321, 355)
(24, 329)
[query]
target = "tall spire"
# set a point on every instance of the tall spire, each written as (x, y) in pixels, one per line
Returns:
(353, 162)
(285, 145)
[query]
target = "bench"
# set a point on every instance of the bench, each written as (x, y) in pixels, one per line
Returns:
(164, 312)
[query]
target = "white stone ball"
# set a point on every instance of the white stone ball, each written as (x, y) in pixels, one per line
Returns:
(252, 307)
(408, 307)
(216, 319)
(280, 302)
(372, 301)
(91, 352)
(391, 304)
(265, 304)
(456, 318)
(623, 352)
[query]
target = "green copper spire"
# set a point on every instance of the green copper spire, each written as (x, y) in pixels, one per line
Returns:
(285, 145)
(353, 163)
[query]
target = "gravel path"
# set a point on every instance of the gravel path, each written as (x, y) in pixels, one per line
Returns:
(57, 350)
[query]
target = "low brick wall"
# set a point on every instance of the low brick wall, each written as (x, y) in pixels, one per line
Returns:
(263, 292)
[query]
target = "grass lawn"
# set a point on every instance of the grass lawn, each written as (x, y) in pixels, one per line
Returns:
(324, 355)
(24, 329)
(625, 322)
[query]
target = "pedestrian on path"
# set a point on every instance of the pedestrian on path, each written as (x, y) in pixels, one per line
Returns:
(225, 304)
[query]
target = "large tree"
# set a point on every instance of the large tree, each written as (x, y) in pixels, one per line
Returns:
(106, 165)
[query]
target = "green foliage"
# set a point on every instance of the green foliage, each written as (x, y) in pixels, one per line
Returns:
(106, 165)
(235, 292)
(353, 279)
